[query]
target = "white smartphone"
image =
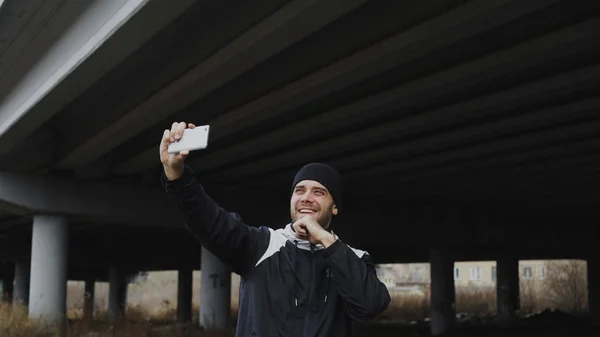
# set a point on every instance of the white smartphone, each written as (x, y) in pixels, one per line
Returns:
(191, 139)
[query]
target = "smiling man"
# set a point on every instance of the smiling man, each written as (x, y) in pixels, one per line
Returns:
(301, 280)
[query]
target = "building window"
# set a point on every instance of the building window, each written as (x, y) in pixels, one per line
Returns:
(542, 272)
(494, 274)
(527, 272)
(456, 273)
(475, 273)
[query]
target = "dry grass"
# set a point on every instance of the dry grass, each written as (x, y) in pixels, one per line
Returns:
(15, 323)
(414, 307)
(137, 323)
(406, 308)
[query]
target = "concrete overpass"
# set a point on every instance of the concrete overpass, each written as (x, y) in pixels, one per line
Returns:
(464, 129)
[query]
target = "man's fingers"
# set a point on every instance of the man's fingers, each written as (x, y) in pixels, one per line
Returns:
(177, 130)
(180, 127)
(173, 131)
(164, 142)
(166, 136)
(191, 126)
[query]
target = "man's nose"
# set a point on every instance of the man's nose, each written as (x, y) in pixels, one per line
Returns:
(306, 197)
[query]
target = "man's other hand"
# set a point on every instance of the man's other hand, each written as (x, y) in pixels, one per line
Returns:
(307, 228)
(173, 163)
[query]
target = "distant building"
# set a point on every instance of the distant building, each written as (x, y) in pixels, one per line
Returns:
(481, 273)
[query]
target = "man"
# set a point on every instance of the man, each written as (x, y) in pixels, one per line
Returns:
(301, 280)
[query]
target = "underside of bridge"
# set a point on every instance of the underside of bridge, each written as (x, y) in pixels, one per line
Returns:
(471, 127)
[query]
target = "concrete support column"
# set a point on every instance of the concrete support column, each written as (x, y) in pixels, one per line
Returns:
(88, 300)
(22, 277)
(593, 274)
(184, 295)
(8, 288)
(117, 296)
(215, 292)
(443, 294)
(48, 284)
(507, 290)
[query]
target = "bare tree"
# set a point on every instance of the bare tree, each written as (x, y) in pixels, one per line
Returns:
(566, 285)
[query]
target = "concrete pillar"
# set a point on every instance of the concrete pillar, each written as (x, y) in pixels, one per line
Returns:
(443, 294)
(184, 295)
(48, 283)
(8, 288)
(22, 276)
(88, 299)
(215, 292)
(593, 274)
(507, 290)
(117, 296)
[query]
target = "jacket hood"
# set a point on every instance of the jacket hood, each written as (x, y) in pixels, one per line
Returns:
(290, 234)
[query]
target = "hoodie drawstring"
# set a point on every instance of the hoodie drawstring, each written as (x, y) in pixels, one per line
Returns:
(314, 289)
(327, 284)
(296, 252)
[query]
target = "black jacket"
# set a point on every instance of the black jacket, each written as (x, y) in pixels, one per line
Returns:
(288, 286)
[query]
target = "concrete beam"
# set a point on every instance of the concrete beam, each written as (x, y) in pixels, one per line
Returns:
(531, 177)
(434, 34)
(441, 84)
(291, 23)
(32, 194)
(100, 37)
(507, 144)
(497, 103)
(28, 29)
(472, 156)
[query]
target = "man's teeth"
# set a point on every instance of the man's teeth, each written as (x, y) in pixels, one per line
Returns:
(306, 211)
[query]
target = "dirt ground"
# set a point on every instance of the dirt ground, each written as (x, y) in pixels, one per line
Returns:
(547, 323)
(391, 330)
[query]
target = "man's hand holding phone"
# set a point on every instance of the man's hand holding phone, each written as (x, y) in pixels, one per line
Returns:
(173, 163)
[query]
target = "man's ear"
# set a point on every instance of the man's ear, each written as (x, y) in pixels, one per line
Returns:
(335, 210)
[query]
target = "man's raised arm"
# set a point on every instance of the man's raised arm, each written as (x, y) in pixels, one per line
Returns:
(223, 233)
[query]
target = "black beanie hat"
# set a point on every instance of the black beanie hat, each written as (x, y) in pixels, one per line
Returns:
(326, 175)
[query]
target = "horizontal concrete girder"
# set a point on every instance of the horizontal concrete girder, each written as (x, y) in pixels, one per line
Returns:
(459, 24)
(496, 104)
(469, 156)
(33, 194)
(489, 67)
(291, 23)
(562, 134)
(99, 38)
